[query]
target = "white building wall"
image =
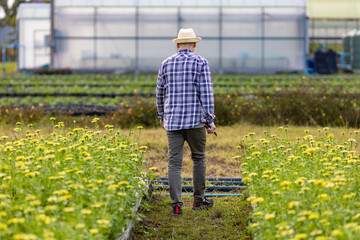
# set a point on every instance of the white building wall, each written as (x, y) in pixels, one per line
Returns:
(33, 24)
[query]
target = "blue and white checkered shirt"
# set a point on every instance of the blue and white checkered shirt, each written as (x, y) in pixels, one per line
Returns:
(184, 92)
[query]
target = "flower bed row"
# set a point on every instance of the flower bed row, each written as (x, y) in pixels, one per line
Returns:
(70, 184)
(307, 189)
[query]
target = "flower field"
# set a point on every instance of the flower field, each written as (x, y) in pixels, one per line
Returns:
(70, 184)
(307, 189)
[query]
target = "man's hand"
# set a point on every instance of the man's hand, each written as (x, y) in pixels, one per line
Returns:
(211, 129)
(162, 124)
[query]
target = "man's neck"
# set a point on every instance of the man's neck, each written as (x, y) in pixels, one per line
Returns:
(186, 49)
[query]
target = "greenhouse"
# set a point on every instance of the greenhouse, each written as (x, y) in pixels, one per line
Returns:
(33, 27)
(135, 36)
(330, 19)
(238, 36)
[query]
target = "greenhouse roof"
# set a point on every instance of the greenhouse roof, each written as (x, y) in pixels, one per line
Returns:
(33, 11)
(184, 3)
(334, 9)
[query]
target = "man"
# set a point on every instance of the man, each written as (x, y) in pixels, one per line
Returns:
(185, 104)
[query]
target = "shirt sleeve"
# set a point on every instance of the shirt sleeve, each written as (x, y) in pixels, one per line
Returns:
(160, 94)
(206, 94)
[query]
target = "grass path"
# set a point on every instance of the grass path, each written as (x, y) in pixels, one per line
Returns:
(229, 217)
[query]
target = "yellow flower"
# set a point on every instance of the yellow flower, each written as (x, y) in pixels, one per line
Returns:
(86, 211)
(313, 216)
(293, 204)
(349, 196)
(16, 220)
(121, 194)
(35, 203)
(23, 236)
(61, 192)
(324, 197)
(327, 213)
(351, 225)
(287, 232)
(69, 209)
(258, 200)
(19, 158)
(258, 213)
(94, 231)
(65, 197)
(301, 236)
(357, 216)
(97, 205)
(285, 183)
(269, 216)
(80, 226)
(112, 187)
(330, 136)
(336, 233)
(104, 223)
(291, 212)
(301, 219)
(29, 197)
(3, 226)
(254, 225)
(246, 179)
(52, 199)
(50, 208)
(316, 232)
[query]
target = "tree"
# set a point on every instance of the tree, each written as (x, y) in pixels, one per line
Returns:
(11, 11)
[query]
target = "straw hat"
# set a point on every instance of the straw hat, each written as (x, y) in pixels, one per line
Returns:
(186, 36)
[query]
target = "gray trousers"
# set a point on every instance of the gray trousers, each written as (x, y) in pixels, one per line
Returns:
(196, 138)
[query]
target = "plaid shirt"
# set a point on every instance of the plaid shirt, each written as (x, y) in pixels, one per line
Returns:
(184, 92)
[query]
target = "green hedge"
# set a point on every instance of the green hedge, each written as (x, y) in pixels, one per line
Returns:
(301, 107)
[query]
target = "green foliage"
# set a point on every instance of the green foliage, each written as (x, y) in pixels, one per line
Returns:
(73, 183)
(307, 189)
(129, 100)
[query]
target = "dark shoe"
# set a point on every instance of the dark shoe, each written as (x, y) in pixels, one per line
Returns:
(204, 203)
(176, 209)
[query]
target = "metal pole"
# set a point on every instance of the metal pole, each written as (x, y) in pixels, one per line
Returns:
(137, 39)
(305, 27)
(18, 41)
(95, 38)
(209, 195)
(262, 39)
(24, 48)
(34, 49)
(3, 58)
(222, 183)
(208, 188)
(207, 179)
(220, 39)
(52, 34)
(178, 19)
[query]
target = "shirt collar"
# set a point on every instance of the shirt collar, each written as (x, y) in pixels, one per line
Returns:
(185, 51)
